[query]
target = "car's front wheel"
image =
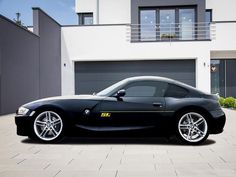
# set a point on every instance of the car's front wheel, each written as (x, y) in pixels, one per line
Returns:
(192, 127)
(48, 126)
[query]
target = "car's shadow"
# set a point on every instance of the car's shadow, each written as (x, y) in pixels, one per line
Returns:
(119, 141)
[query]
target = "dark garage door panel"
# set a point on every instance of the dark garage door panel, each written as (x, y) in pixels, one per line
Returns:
(94, 76)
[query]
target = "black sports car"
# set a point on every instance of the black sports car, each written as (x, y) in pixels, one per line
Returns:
(165, 106)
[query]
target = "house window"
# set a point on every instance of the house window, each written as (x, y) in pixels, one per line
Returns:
(187, 24)
(208, 15)
(85, 18)
(208, 20)
(148, 25)
(167, 23)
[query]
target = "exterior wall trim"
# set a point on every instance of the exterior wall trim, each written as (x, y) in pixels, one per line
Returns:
(223, 54)
(121, 24)
(134, 59)
(170, 41)
(223, 21)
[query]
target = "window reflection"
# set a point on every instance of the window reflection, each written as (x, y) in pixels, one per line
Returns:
(88, 20)
(208, 19)
(167, 24)
(187, 26)
(218, 74)
(148, 25)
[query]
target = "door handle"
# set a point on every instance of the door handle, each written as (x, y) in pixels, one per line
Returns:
(157, 104)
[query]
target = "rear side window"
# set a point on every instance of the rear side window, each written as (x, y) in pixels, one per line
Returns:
(176, 91)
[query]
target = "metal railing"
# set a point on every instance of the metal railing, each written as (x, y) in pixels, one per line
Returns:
(171, 32)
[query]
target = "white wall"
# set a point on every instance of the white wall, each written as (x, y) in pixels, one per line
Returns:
(225, 37)
(114, 11)
(223, 10)
(91, 43)
(67, 69)
(109, 12)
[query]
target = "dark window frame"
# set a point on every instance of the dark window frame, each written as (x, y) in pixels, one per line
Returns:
(177, 20)
(81, 17)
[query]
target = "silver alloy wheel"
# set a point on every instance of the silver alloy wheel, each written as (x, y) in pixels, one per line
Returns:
(193, 127)
(48, 125)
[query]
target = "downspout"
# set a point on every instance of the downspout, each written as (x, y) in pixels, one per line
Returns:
(97, 11)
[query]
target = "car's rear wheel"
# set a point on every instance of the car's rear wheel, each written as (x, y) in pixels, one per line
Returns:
(48, 126)
(192, 127)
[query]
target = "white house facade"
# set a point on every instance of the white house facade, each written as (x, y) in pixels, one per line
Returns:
(192, 41)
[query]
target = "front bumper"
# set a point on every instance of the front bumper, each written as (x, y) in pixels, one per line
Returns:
(22, 125)
(217, 122)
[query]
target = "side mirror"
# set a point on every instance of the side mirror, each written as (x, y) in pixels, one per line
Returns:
(120, 93)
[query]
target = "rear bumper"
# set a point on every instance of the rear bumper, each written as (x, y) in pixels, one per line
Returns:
(218, 122)
(22, 125)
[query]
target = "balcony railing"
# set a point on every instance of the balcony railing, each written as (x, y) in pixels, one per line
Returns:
(171, 32)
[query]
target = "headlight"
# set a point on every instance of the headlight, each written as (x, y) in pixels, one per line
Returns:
(22, 111)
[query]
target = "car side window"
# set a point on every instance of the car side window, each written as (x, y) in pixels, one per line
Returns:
(161, 89)
(146, 89)
(176, 91)
(140, 91)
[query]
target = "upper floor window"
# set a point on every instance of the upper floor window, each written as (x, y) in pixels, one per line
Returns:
(148, 25)
(167, 23)
(187, 24)
(208, 20)
(208, 15)
(85, 18)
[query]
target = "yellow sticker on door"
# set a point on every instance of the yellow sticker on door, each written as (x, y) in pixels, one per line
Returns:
(105, 114)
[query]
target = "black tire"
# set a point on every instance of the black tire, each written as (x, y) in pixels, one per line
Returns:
(47, 126)
(192, 127)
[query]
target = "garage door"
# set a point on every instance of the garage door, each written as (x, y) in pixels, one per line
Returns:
(94, 76)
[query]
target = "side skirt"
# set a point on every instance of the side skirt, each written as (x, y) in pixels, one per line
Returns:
(93, 128)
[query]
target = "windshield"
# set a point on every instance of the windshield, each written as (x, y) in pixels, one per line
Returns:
(110, 90)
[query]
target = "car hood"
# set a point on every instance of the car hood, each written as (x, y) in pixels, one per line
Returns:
(71, 97)
(61, 98)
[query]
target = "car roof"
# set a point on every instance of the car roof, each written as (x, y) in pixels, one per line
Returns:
(164, 79)
(156, 78)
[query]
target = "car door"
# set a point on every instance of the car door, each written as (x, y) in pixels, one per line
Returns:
(142, 106)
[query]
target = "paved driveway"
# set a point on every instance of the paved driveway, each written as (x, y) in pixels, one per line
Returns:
(120, 157)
